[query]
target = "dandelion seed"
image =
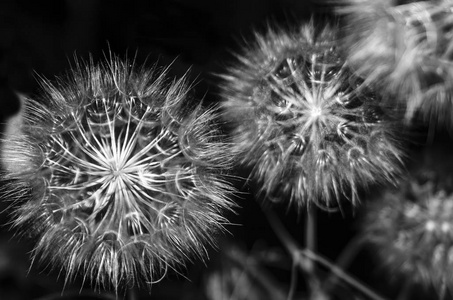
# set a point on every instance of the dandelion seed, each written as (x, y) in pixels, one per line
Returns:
(116, 175)
(412, 230)
(405, 51)
(310, 129)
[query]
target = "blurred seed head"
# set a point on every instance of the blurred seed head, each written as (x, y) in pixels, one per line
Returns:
(412, 230)
(117, 176)
(311, 130)
(405, 51)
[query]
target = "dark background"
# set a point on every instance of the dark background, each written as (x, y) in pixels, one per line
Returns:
(43, 36)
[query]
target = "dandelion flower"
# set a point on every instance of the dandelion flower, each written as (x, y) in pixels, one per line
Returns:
(405, 51)
(310, 130)
(412, 230)
(117, 176)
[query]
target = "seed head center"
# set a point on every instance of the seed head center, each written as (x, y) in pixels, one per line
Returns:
(117, 173)
(316, 112)
(117, 170)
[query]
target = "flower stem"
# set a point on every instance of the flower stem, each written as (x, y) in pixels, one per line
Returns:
(310, 236)
(294, 278)
(311, 245)
(343, 275)
(344, 259)
(293, 248)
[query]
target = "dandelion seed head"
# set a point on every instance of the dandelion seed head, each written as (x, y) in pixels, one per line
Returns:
(123, 178)
(311, 131)
(412, 230)
(405, 51)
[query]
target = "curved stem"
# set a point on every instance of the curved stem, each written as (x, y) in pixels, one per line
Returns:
(296, 254)
(285, 238)
(291, 246)
(343, 275)
(344, 259)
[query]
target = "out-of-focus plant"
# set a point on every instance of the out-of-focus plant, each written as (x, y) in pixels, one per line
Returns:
(404, 50)
(411, 226)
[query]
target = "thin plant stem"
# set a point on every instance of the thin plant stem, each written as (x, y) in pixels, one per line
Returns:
(343, 275)
(286, 239)
(310, 235)
(311, 245)
(297, 254)
(291, 246)
(294, 279)
(249, 265)
(343, 261)
(237, 287)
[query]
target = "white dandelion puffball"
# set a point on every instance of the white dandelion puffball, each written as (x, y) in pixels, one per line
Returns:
(411, 229)
(308, 128)
(116, 174)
